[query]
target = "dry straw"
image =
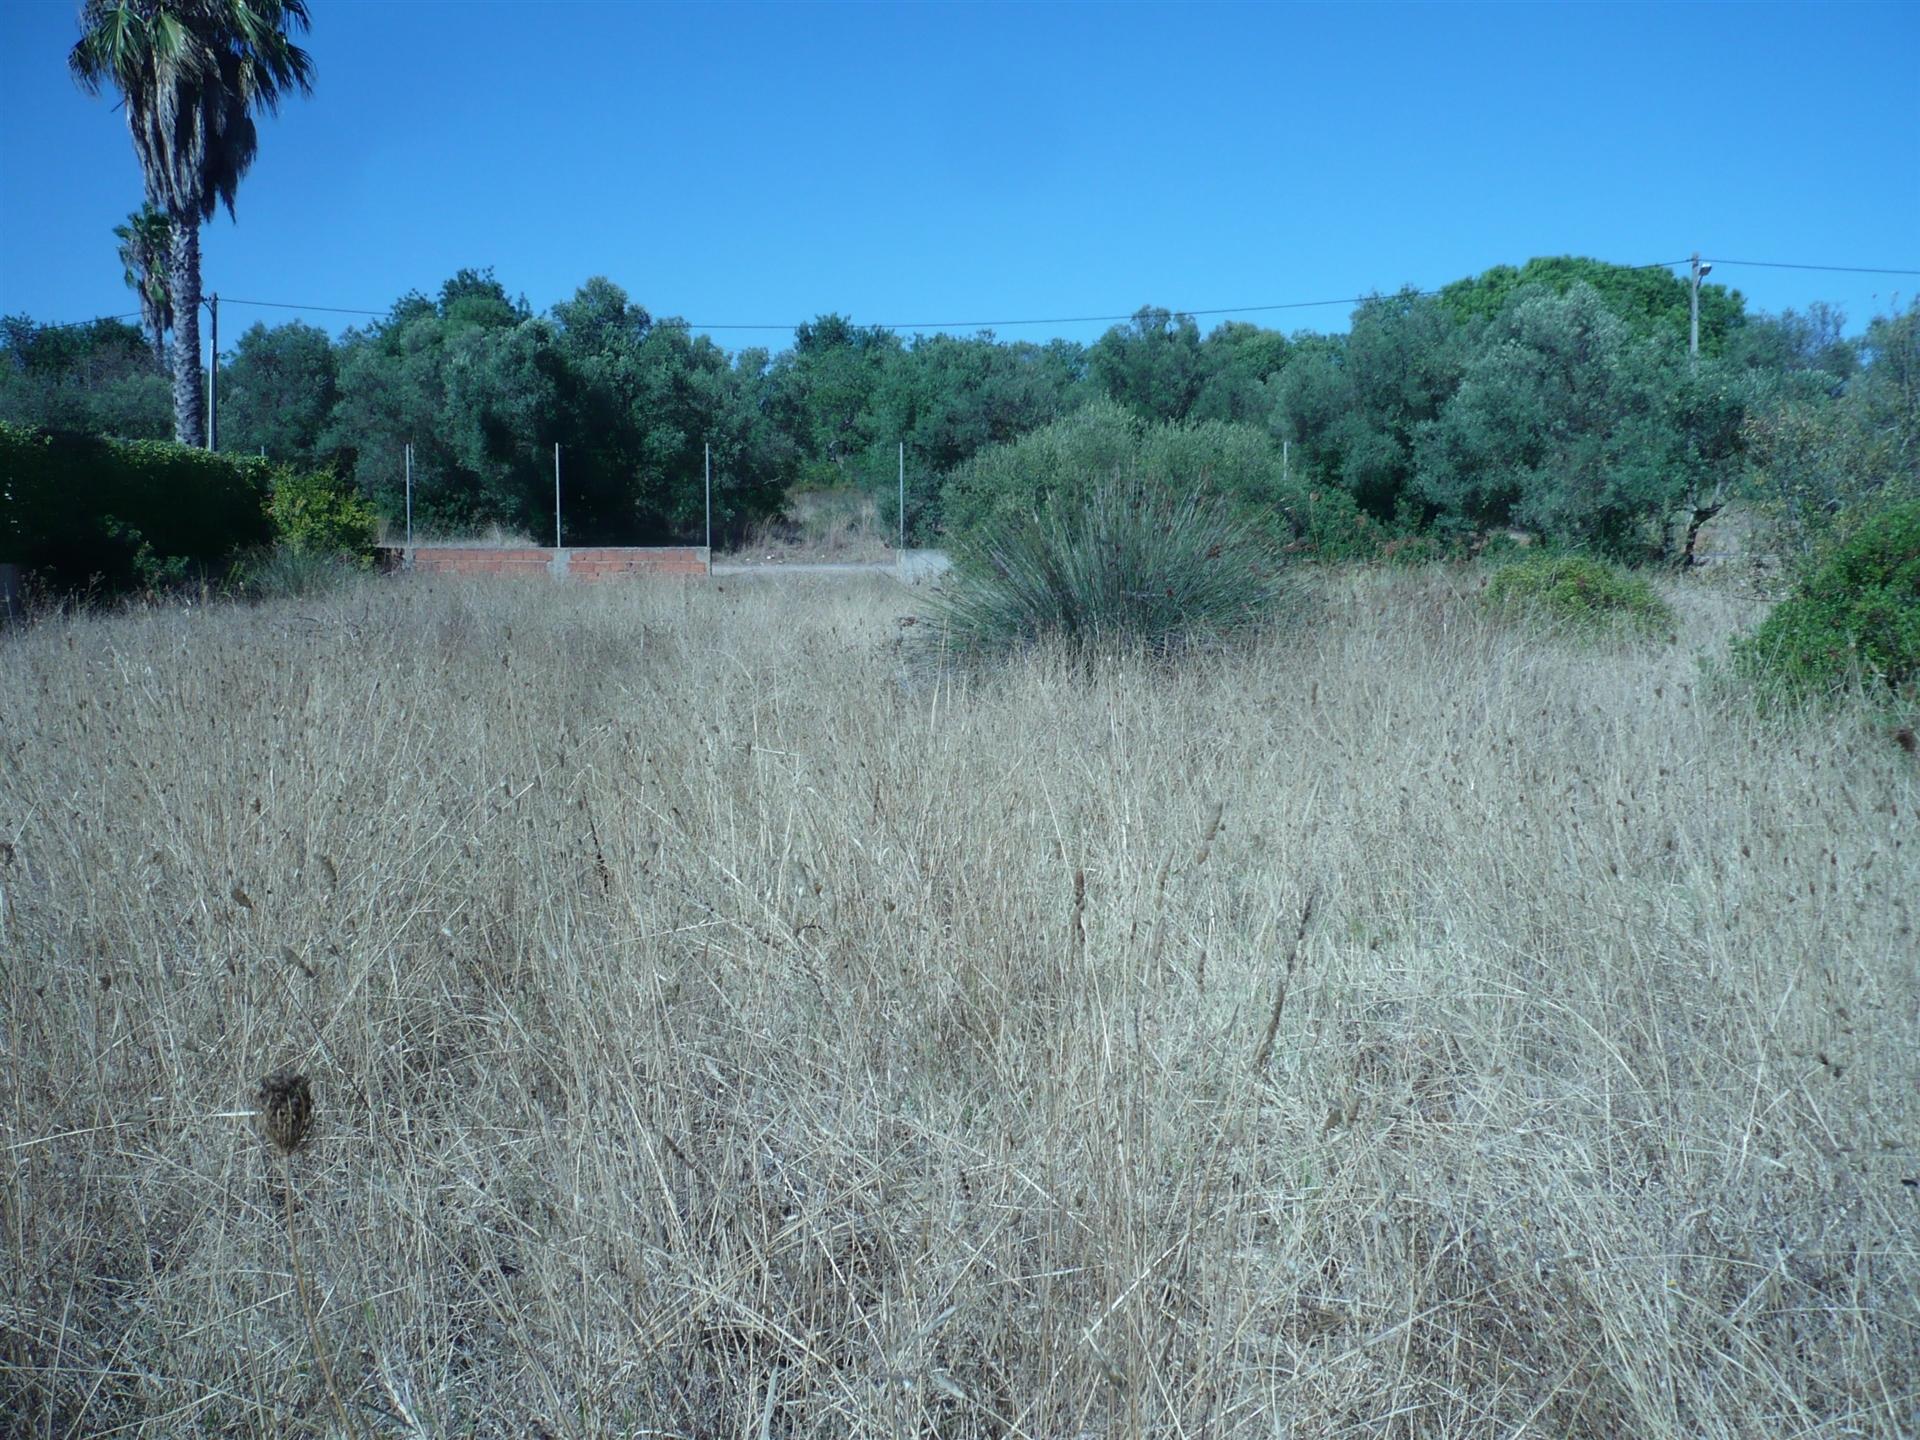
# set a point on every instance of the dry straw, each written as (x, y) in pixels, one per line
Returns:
(825, 1087)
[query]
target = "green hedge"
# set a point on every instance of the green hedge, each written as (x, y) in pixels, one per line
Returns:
(83, 512)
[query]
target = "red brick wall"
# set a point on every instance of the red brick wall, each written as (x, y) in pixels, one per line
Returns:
(625, 563)
(614, 563)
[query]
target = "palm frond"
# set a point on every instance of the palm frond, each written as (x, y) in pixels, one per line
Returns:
(193, 73)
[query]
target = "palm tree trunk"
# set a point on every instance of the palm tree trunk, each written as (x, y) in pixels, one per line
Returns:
(189, 388)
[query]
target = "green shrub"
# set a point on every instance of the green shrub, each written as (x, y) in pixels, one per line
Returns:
(1103, 444)
(81, 512)
(1125, 568)
(1410, 552)
(1063, 461)
(322, 513)
(1581, 593)
(1857, 617)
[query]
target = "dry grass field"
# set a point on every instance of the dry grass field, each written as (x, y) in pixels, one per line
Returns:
(1408, 1027)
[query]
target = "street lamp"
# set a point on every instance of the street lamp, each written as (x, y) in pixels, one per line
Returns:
(1701, 269)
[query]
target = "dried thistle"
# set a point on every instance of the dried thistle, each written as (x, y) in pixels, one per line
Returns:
(286, 1110)
(286, 1120)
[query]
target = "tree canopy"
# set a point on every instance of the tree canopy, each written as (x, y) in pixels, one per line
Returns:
(1555, 396)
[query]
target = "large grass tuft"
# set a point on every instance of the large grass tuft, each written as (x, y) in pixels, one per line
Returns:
(1128, 569)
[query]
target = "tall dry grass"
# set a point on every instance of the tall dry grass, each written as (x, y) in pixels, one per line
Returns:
(714, 1036)
(841, 526)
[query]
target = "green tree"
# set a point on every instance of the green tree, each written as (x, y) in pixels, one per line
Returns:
(1813, 340)
(192, 74)
(97, 379)
(278, 391)
(1058, 463)
(1404, 358)
(1239, 363)
(476, 300)
(639, 402)
(467, 379)
(484, 390)
(1653, 301)
(1152, 364)
(1560, 424)
(825, 388)
(392, 386)
(1888, 391)
(146, 242)
(1354, 405)
(1824, 456)
(948, 397)
(1313, 405)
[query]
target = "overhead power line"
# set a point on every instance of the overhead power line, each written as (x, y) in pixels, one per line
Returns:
(1110, 319)
(287, 305)
(1838, 269)
(970, 324)
(82, 324)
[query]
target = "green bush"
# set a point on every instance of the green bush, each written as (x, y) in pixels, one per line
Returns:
(1126, 568)
(1581, 593)
(1857, 617)
(80, 511)
(1063, 460)
(1103, 444)
(322, 513)
(1410, 552)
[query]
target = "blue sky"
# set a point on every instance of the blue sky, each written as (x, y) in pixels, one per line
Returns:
(925, 164)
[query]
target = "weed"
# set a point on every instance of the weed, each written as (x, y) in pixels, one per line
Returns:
(1584, 595)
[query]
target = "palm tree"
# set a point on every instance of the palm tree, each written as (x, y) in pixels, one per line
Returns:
(146, 243)
(192, 74)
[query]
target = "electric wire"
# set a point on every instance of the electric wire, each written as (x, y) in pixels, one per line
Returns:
(1839, 269)
(82, 324)
(1108, 319)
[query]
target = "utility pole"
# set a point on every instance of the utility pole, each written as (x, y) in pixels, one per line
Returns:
(1700, 272)
(213, 376)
